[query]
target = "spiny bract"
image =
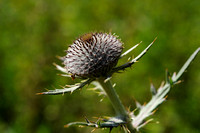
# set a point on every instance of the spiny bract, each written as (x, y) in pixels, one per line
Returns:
(93, 55)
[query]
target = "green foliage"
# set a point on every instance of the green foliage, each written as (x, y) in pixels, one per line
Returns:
(33, 32)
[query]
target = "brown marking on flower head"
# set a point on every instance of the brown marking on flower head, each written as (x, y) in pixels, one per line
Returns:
(73, 76)
(87, 37)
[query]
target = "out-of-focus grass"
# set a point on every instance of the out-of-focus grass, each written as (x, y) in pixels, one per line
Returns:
(33, 32)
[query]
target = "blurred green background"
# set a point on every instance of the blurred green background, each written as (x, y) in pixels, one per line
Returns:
(33, 32)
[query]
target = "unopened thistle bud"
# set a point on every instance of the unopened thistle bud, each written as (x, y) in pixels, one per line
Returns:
(93, 55)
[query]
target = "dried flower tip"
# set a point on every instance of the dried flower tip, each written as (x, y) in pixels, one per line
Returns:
(93, 55)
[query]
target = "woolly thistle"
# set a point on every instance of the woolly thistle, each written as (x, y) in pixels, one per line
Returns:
(93, 55)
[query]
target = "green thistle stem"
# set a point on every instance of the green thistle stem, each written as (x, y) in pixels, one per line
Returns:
(117, 104)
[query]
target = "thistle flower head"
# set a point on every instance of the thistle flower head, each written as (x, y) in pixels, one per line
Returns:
(93, 55)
